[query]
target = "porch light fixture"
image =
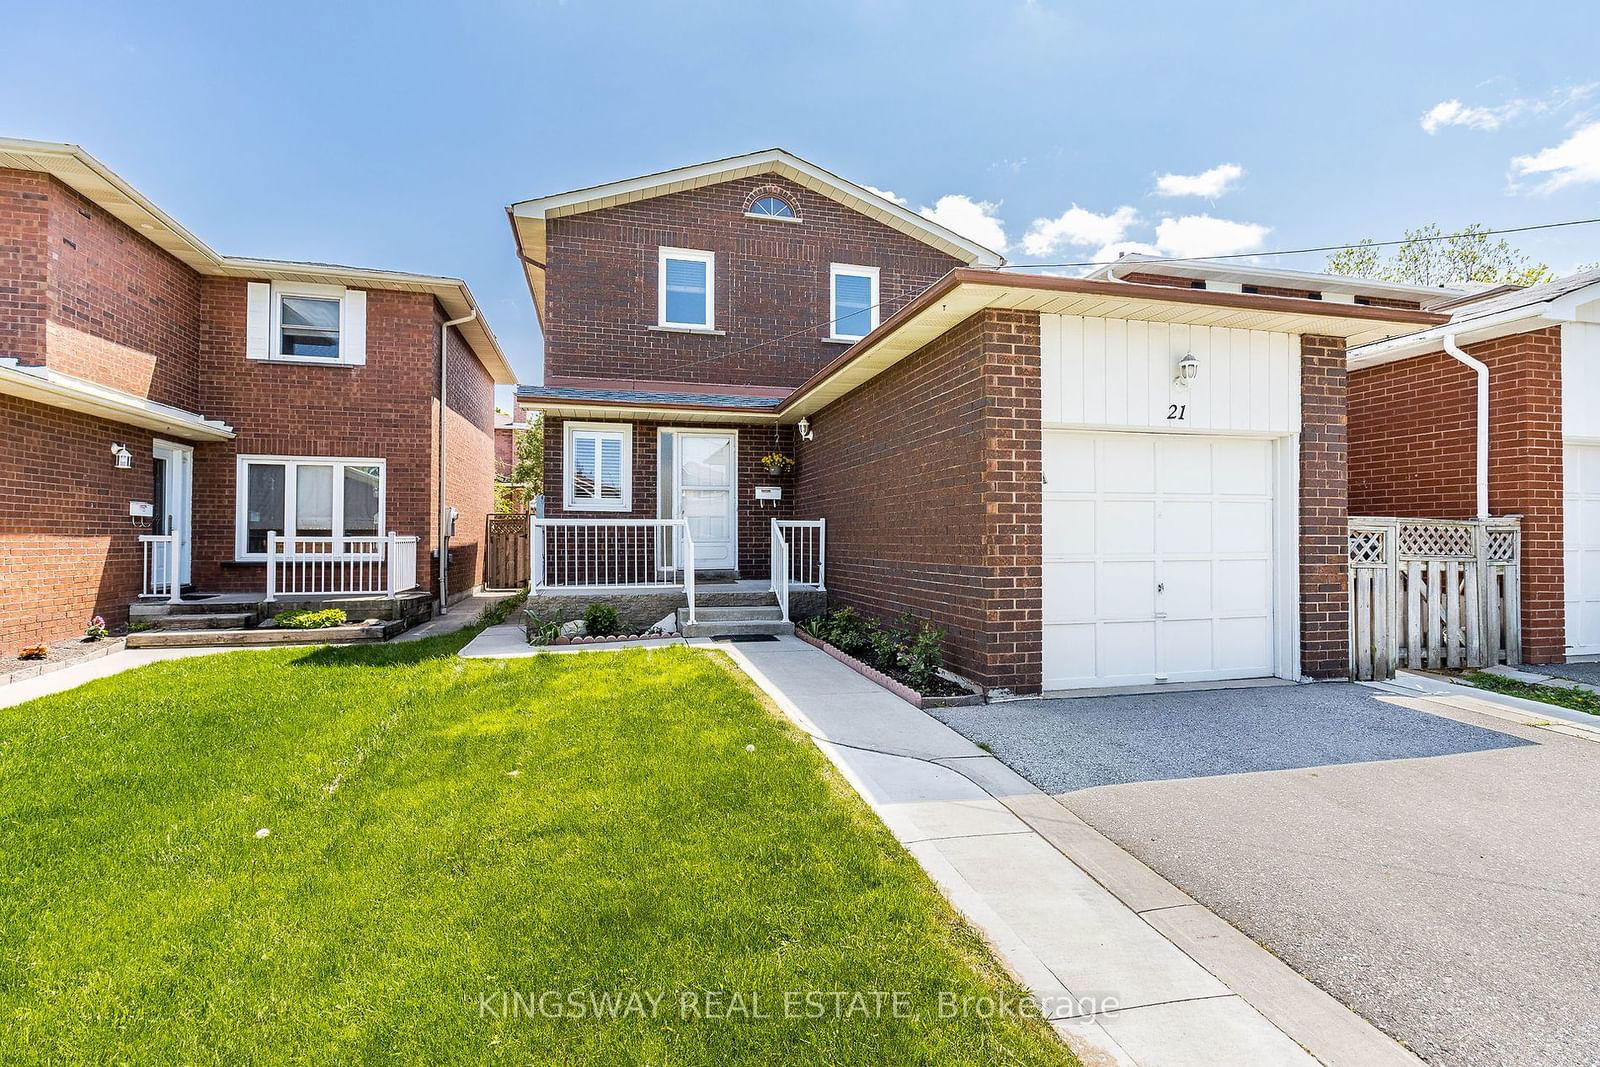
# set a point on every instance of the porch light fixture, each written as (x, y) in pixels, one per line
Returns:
(124, 458)
(804, 428)
(1188, 371)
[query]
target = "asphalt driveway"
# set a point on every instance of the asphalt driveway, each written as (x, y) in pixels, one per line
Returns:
(1438, 871)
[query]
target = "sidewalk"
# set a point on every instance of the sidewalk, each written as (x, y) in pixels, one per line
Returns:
(1129, 969)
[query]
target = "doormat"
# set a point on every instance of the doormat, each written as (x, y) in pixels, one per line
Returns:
(743, 637)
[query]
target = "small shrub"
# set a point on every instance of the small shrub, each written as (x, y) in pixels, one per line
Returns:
(921, 655)
(310, 620)
(909, 648)
(137, 627)
(600, 620)
(97, 630)
(34, 652)
(542, 631)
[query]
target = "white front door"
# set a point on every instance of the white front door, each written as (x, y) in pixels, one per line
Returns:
(174, 501)
(1158, 562)
(706, 493)
(1581, 559)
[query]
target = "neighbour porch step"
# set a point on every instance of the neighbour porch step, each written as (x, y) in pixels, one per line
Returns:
(738, 613)
(714, 621)
(240, 620)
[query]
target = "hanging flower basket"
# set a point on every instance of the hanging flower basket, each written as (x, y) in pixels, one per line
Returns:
(777, 464)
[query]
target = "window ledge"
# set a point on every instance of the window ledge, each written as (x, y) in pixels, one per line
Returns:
(235, 564)
(687, 329)
(311, 361)
(772, 218)
(840, 340)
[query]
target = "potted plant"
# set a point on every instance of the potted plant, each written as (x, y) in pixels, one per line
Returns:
(777, 464)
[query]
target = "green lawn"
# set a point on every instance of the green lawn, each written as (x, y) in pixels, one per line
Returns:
(1576, 699)
(445, 837)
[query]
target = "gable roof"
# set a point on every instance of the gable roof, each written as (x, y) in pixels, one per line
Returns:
(1573, 298)
(104, 188)
(528, 217)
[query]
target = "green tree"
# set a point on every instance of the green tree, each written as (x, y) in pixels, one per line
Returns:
(1428, 256)
(516, 492)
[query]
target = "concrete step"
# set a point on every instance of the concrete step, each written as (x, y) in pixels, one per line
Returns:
(241, 620)
(736, 628)
(332, 635)
(150, 609)
(737, 613)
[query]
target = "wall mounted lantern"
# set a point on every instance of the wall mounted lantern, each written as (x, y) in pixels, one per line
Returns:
(124, 458)
(1188, 371)
(804, 428)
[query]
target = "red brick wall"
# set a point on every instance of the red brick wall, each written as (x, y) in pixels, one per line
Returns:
(123, 313)
(383, 410)
(1413, 428)
(771, 283)
(68, 550)
(929, 476)
(505, 451)
(24, 264)
(1324, 514)
(755, 441)
(469, 462)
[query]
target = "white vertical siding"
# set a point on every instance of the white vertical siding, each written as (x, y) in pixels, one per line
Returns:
(1580, 379)
(1118, 373)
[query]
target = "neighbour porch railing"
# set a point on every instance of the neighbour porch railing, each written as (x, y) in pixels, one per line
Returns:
(780, 567)
(806, 541)
(161, 567)
(618, 555)
(1434, 594)
(340, 566)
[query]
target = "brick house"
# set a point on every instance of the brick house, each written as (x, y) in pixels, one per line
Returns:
(1087, 481)
(1414, 424)
(166, 408)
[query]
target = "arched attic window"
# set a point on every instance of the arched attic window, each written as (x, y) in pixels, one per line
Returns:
(773, 207)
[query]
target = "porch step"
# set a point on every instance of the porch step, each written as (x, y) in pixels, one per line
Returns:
(333, 635)
(241, 620)
(714, 621)
(152, 609)
(739, 613)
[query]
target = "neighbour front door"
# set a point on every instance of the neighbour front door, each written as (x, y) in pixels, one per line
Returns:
(174, 498)
(706, 493)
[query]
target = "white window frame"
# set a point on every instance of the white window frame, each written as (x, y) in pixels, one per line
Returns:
(241, 514)
(850, 270)
(710, 260)
(569, 431)
(275, 352)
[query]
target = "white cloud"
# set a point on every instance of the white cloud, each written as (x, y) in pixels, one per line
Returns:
(1212, 183)
(1077, 227)
(1572, 162)
(1198, 236)
(975, 220)
(1453, 112)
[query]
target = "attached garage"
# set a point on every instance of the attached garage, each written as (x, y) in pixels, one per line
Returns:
(1159, 561)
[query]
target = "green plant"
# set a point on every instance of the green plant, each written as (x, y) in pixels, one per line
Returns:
(135, 626)
(921, 653)
(777, 463)
(600, 620)
(309, 620)
(542, 631)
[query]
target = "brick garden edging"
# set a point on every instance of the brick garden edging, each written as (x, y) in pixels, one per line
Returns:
(899, 689)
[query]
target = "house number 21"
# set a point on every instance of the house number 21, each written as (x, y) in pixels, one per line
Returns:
(1175, 412)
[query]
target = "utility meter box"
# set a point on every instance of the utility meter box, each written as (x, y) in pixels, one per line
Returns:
(769, 492)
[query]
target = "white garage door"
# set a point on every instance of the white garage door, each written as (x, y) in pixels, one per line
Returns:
(1582, 557)
(1158, 559)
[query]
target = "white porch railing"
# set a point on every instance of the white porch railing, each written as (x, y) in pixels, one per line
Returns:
(617, 555)
(161, 566)
(340, 566)
(1434, 594)
(806, 545)
(780, 567)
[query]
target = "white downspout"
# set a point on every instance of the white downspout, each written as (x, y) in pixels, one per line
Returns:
(1481, 369)
(444, 414)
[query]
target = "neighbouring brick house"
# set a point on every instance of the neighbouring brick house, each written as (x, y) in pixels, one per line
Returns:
(1413, 429)
(1087, 481)
(150, 388)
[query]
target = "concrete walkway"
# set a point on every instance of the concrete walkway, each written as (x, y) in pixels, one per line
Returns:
(1128, 969)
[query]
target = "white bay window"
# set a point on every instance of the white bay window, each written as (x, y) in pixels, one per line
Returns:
(339, 499)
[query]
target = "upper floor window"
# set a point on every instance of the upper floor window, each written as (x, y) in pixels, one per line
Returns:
(775, 207)
(687, 288)
(853, 301)
(299, 322)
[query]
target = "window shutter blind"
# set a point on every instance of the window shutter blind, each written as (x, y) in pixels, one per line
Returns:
(258, 320)
(353, 326)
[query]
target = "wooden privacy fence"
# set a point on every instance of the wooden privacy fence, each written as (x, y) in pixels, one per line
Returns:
(506, 559)
(1434, 594)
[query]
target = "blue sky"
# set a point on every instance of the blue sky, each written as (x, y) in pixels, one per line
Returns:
(394, 134)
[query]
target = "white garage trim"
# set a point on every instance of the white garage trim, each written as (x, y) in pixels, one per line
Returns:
(1169, 557)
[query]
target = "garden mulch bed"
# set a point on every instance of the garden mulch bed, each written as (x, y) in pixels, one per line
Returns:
(61, 654)
(949, 695)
